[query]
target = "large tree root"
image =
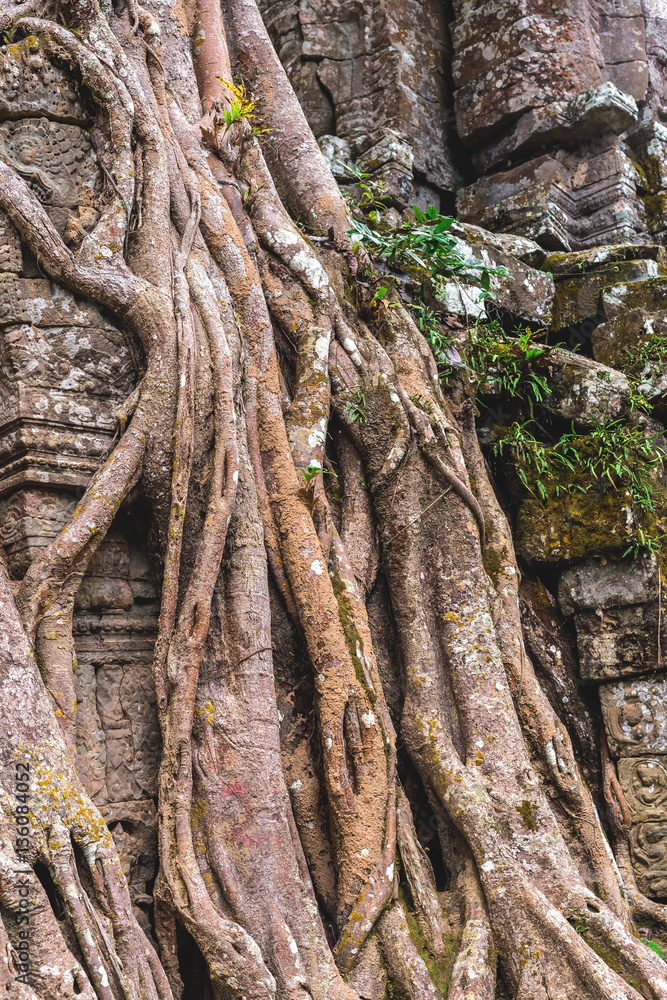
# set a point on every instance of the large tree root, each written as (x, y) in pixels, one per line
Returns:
(223, 444)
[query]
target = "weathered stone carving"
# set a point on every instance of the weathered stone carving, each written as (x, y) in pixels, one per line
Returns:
(648, 848)
(65, 369)
(644, 784)
(572, 181)
(32, 84)
(618, 642)
(635, 716)
(560, 201)
(114, 631)
(56, 160)
(617, 615)
(133, 826)
(29, 519)
(11, 259)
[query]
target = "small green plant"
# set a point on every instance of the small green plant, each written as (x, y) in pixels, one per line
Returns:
(429, 324)
(654, 946)
(512, 365)
(426, 246)
(373, 194)
(355, 406)
(313, 471)
(240, 107)
(638, 362)
(638, 399)
(421, 403)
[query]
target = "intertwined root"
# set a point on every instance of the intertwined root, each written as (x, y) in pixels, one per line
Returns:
(215, 271)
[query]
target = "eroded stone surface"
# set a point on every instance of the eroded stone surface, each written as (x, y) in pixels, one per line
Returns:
(340, 57)
(634, 314)
(644, 784)
(65, 370)
(574, 526)
(620, 641)
(133, 826)
(608, 583)
(32, 84)
(648, 849)
(584, 391)
(635, 716)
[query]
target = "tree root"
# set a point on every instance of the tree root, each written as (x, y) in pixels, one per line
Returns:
(406, 966)
(473, 975)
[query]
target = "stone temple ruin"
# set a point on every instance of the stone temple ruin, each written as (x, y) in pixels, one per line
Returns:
(65, 369)
(542, 125)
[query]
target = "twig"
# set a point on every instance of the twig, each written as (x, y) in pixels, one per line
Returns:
(422, 512)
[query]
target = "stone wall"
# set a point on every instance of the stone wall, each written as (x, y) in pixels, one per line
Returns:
(65, 367)
(374, 76)
(543, 117)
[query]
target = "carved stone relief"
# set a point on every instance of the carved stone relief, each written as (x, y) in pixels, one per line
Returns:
(32, 84)
(644, 784)
(57, 161)
(648, 848)
(635, 716)
(65, 369)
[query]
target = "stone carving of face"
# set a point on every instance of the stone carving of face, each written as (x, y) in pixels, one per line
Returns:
(650, 785)
(635, 719)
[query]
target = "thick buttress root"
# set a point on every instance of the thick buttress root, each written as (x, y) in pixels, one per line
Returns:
(227, 439)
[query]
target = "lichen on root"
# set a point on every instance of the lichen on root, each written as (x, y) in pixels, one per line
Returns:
(216, 438)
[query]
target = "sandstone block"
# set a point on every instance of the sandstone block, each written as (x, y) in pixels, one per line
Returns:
(622, 43)
(648, 849)
(561, 200)
(566, 123)
(573, 526)
(630, 77)
(29, 520)
(583, 391)
(621, 8)
(619, 642)
(644, 784)
(98, 593)
(65, 369)
(578, 297)
(634, 314)
(614, 583)
(635, 715)
(565, 265)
